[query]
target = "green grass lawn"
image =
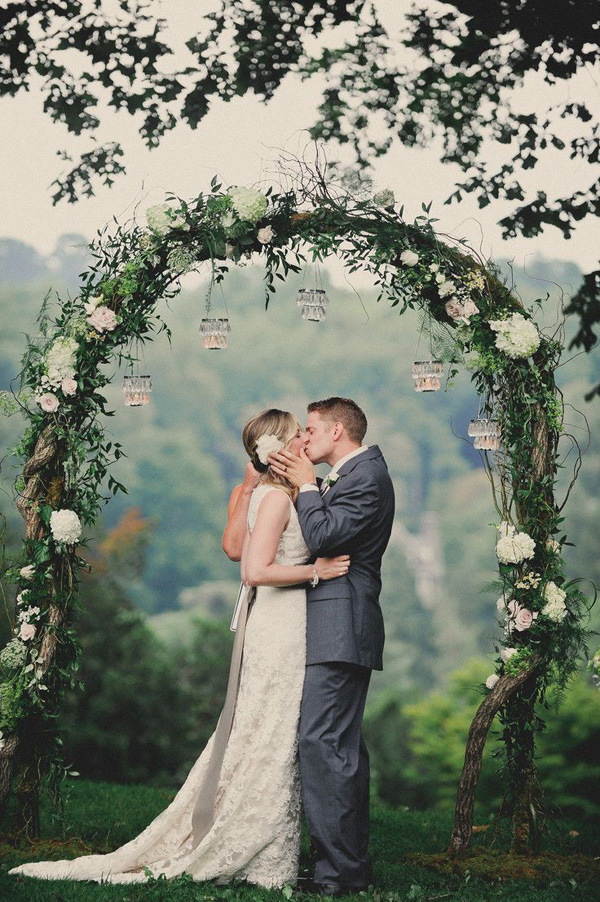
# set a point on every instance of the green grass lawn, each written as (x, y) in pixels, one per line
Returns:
(100, 816)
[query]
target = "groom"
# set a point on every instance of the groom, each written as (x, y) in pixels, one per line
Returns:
(350, 512)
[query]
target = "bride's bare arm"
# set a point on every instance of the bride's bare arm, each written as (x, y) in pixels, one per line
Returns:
(237, 514)
(258, 560)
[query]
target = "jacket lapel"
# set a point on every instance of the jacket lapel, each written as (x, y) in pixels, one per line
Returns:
(370, 454)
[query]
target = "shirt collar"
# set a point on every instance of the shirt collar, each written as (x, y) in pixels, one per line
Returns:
(348, 457)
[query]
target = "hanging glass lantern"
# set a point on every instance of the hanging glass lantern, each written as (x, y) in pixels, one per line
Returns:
(214, 332)
(136, 390)
(485, 433)
(313, 302)
(427, 375)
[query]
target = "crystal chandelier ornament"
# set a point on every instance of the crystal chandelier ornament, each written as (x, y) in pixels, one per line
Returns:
(136, 390)
(137, 386)
(313, 302)
(215, 331)
(427, 375)
(485, 433)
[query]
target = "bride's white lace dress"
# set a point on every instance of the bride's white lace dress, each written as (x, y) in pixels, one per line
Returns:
(255, 834)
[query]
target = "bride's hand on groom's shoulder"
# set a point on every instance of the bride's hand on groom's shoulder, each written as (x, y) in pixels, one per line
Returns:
(297, 469)
(332, 567)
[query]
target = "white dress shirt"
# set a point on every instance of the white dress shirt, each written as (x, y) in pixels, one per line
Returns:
(311, 487)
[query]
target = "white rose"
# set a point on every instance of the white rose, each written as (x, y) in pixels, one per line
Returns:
(492, 680)
(48, 402)
(69, 387)
(267, 444)
(434, 267)
(520, 618)
(92, 303)
(553, 546)
(27, 572)
(102, 319)
(447, 287)
(501, 605)
(409, 258)
(265, 235)
(507, 653)
(453, 309)
(469, 309)
(65, 526)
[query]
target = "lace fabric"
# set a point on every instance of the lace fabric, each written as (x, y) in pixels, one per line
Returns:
(256, 830)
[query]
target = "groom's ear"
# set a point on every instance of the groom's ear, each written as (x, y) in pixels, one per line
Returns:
(338, 429)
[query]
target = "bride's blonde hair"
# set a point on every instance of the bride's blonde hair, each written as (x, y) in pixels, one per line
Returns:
(280, 423)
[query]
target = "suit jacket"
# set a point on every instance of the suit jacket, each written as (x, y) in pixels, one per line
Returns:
(344, 619)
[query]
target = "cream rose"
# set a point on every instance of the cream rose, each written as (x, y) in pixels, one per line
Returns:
(520, 618)
(102, 319)
(27, 572)
(492, 680)
(507, 653)
(265, 235)
(409, 258)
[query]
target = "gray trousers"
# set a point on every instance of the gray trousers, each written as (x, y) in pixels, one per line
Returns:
(334, 764)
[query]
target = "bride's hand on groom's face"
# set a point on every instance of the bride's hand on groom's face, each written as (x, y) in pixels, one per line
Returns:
(297, 469)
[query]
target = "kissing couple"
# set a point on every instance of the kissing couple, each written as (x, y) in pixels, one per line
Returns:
(309, 631)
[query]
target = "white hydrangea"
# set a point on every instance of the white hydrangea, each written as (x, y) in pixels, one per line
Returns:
(250, 205)
(516, 336)
(60, 360)
(265, 445)
(13, 655)
(512, 546)
(446, 287)
(384, 198)
(162, 218)
(555, 608)
(65, 526)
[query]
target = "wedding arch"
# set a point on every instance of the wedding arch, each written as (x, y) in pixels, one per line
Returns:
(471, 318)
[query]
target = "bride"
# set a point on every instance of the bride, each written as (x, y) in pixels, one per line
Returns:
(237, 816)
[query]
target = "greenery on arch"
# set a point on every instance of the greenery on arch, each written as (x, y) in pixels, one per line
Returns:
(471, 318)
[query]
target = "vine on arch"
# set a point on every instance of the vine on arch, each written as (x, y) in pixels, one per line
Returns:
(472, 316)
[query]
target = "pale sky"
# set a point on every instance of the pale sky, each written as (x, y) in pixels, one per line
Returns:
(239, 140)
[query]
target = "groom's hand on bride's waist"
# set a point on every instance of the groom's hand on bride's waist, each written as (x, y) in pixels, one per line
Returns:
(297, 469)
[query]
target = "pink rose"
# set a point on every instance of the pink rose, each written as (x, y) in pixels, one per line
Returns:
(469, 308)
(48, 402)
(453, 309)
(102, 319)
(69, 387)
(27, 632)
(521, 618)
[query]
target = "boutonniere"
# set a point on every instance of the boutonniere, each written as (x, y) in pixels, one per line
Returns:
(331, 479)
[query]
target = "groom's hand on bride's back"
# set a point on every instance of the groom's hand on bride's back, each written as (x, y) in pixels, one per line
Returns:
(297, 469)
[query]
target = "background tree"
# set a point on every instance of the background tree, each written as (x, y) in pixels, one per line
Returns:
(453, 71)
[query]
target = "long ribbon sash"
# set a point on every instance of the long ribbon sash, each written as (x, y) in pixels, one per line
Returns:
(203, 814)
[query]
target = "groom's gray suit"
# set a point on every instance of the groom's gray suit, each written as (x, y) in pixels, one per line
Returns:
(345, 637)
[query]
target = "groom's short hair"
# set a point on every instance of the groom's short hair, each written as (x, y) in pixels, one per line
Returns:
(342, 410)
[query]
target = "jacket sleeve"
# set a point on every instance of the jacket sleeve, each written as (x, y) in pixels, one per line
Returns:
(328, 529)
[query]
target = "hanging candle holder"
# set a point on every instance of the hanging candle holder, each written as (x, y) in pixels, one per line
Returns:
(485, 433)
(427, 375)
(215, 331)
(137, 387)
(313, 301)
(136, 390)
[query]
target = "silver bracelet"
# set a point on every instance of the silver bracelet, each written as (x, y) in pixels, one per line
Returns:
(315, 578)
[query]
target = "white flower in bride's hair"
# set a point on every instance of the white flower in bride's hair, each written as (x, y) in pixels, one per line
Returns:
(265, 445)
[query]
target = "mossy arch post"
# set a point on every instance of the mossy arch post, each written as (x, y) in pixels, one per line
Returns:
(66, 455)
